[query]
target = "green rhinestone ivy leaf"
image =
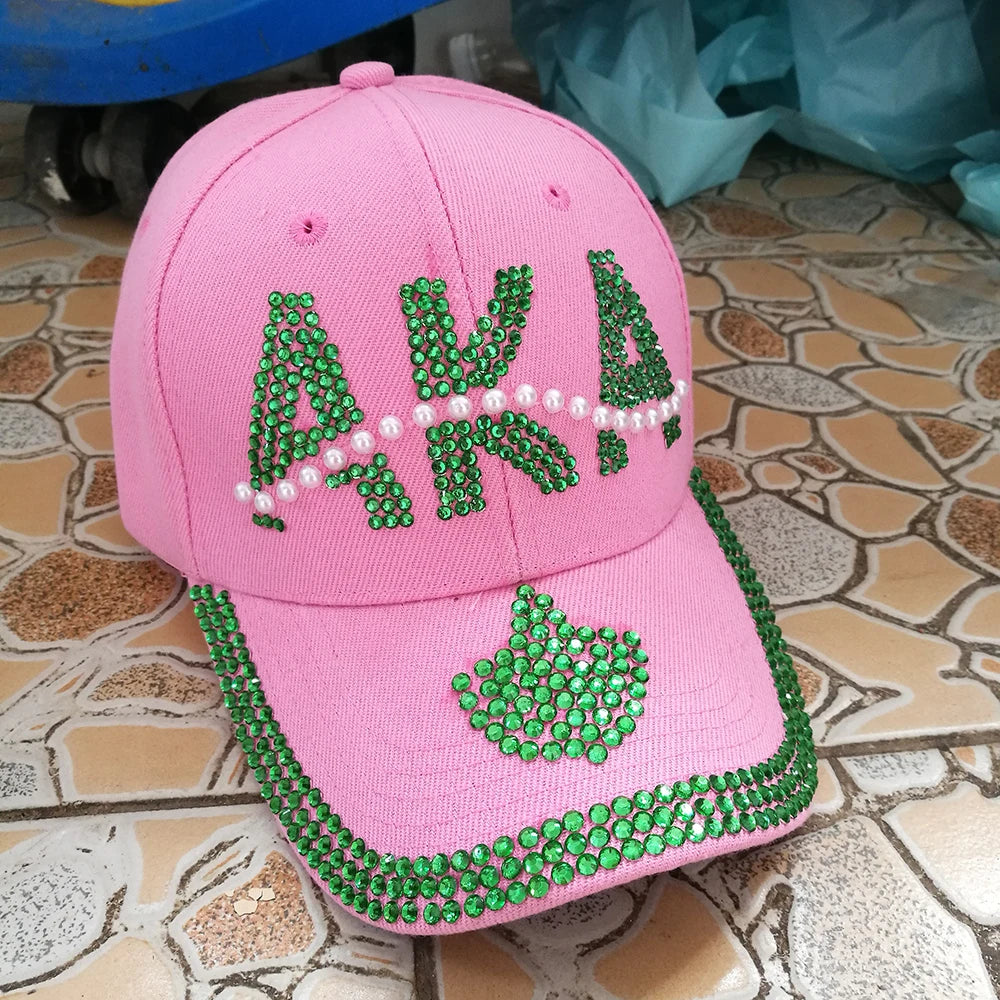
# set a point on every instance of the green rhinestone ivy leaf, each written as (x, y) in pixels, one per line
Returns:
(300, 363)
(556, 689)
(624, 384)
(441, 365)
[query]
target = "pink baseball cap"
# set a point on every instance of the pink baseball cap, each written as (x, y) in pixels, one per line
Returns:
(400, 384)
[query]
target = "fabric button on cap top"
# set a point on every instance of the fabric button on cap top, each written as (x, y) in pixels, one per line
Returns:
(367, 74)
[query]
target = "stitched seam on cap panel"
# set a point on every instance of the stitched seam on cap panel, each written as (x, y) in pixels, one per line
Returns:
(231, 162)
(516, 105)
(398, 100)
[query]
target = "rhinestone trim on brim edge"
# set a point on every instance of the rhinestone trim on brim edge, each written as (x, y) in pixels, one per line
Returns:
(535, 860)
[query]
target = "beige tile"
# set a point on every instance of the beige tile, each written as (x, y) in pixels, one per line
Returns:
(122, 759)
(776, 476)
(828, 797)
(749, 189)
(18, 319)
(34, 250)
(70, 594)
(91, 430)
(107, 532)
(472, 967)
(177, 629)
(683, 949)
(11, 838)
(834, 242)
(947, 441)
(725, 477)
(276, 928)
(760, 431)
(956, 839)
(109, 227)
(25, 368)
(704, 353)
(825, 350)
(939, 358)
(873, 511)
(21, 234)
(17, 674)
(898, 224)
(126, 967)
(979, 617)
(877, 653)
(163, 842)
(873, 443)
(906, 390)
(83, 384)
(749, 336)
(703, 292)
(711, 411)
(983, 474)
(864, 312)
(986, 666)
(34, 493)
(912, 579)
(90, 308)
(760, 279)
(815, 185)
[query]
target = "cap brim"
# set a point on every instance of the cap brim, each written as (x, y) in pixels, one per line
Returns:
(391, 795)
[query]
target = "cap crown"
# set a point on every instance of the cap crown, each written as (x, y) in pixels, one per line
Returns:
(304, 222)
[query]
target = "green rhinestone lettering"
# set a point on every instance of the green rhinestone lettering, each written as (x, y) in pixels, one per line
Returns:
(536, 860)
(443, 366)
(300, 362)
(625, 384)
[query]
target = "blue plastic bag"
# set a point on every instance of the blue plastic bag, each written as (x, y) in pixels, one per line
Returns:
(682, 89)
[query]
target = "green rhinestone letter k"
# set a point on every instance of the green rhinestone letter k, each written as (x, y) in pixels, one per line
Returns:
(443, 367)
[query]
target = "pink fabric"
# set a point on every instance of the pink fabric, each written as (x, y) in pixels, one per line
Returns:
(357, 633)
(411, 182)
(364, 696)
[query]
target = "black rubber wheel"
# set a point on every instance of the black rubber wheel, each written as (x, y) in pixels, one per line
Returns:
(53, 159)
(143, 138)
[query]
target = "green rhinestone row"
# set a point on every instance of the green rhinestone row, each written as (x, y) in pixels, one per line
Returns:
(524, 444)
(388, 889)
(385, 499)
(555, 689)
(442, 366)
(623, 384)
(671, 430)
(297, 362)
(267, 521)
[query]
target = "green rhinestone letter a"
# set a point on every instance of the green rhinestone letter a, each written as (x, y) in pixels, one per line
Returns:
(299, 362)
(556, 689)
(623, 384)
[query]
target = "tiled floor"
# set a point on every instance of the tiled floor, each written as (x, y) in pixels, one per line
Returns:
(847, 335)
